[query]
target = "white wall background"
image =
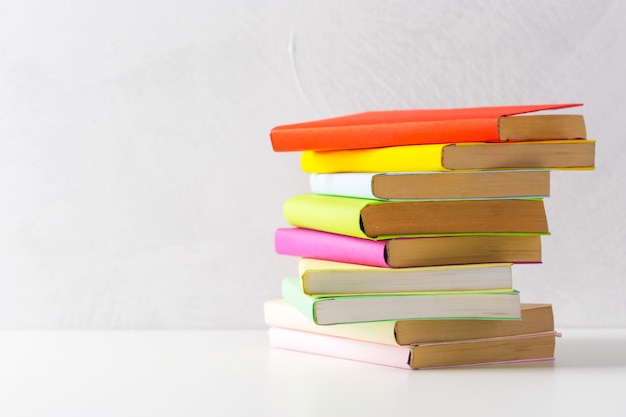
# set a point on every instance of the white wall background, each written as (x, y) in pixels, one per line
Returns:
(138, 188)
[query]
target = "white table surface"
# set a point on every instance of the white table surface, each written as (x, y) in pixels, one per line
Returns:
(234, 372)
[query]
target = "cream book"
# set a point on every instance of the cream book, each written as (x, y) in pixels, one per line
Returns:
(322, 277)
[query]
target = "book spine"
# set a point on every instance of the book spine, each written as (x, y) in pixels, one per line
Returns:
(339, 347)
(291, 291)
(347, 184)
(384, 134)
(415, 158)
(309, 243)
(279, 313)
(332, 214)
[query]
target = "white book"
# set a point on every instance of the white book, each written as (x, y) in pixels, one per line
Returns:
(434, 185)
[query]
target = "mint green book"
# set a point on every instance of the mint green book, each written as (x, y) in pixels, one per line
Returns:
(376, 219)
(452, 305)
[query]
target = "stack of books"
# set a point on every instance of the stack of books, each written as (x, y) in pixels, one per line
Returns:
(408, 236)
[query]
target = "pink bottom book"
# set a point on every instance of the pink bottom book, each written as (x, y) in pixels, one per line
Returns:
(504, 350)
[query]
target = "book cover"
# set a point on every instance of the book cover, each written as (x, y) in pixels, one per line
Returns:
(423, 126)
(487, 305)
(338, 347)
(296, 241)
(561, 154)
(280, 313)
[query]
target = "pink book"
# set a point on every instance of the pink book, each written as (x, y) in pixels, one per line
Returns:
(536, 347)
(339, 347)
(309, 243)
(409, 252)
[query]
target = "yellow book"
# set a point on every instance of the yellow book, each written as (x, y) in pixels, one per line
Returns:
(555, 154)
(364, 218)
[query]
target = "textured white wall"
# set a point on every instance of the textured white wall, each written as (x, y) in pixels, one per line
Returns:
(138, 188)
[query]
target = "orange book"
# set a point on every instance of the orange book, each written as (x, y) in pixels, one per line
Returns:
(435, 126)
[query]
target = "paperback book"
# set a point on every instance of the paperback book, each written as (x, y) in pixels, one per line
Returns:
(409, 252)
(434, 185)
(376, 129)
(324, 310)
(366, 218)
(535, 318)
(561, 154)
(501, 350)
(324, 278)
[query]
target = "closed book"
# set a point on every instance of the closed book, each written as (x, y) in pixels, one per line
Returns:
(561, 154)
(504, 350)
(321, 277)
(434, 185)
(361, 217)
(409, 252)
(376, 129)
(488, 305)
(535, 318)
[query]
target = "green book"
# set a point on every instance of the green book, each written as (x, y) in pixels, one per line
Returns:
(375, 219)
(458, 305)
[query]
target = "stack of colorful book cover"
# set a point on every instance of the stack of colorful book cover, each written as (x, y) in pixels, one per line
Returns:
(411, 228)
